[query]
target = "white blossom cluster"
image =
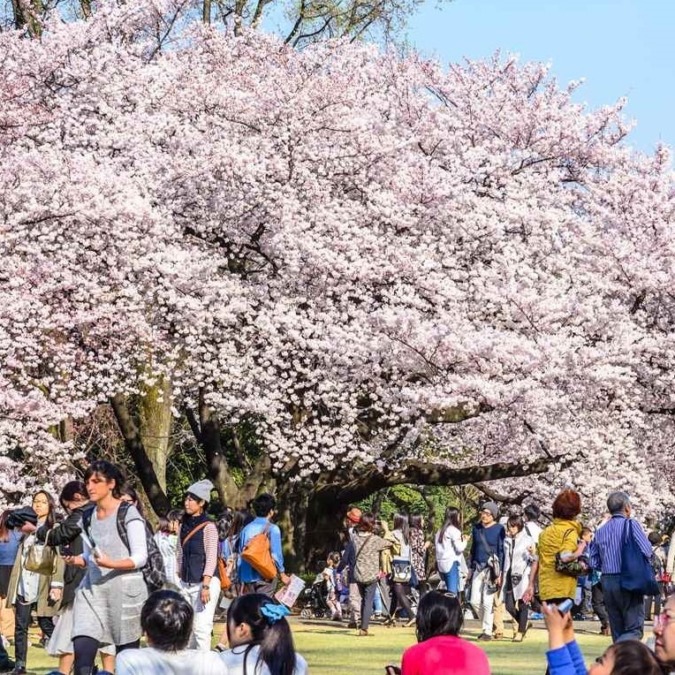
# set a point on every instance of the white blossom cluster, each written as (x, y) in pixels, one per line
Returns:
(339, 243)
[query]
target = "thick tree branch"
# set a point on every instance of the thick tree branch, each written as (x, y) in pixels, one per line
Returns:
(417, 472)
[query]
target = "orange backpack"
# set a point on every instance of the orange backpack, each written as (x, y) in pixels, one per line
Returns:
(258, 554)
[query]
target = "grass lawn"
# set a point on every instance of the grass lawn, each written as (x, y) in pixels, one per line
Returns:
(332, 649)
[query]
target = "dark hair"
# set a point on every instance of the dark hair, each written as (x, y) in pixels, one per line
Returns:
(275, 639)
(166, 619)
(567, 505)
(416, 522)
(654, 538)
(237, 524)
(129, 491)
(4, 530)
(438, 614)
(51, 516)
(632, 657)
(263, 504)
(401, 523)
(70, 491)
(108, 471)
(223, 523)
(451, 519)
(515, 521)
(367, 523)
(532, 512)
(164, 522)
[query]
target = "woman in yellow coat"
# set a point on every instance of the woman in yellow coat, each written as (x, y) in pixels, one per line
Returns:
(561, 536)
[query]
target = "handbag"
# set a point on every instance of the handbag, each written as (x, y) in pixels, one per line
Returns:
(637, 575)
(40, 558)
(401, 570)
(572, 568)
(258, 555)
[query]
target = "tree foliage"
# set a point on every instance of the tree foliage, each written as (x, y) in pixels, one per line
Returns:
(378, 270)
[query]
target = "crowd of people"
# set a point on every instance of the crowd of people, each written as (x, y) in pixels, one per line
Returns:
(99, 580)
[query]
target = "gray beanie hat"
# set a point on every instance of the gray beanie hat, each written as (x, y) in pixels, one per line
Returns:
(202, 489)
(492, 507)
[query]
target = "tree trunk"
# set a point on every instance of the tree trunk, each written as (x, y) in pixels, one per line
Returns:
(134, 446)
(155, 423)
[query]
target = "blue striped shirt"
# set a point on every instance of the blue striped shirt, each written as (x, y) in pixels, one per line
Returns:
(605, 549)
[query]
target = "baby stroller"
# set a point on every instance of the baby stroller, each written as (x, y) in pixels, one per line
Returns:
(313, 601)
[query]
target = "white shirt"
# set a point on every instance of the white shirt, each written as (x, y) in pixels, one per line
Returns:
(327, 575)
(234, 662)
(152, 661)
(533, 530)
(450, 549)
(29, 582)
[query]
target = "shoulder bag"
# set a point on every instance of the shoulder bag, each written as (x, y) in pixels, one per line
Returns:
(637, 575)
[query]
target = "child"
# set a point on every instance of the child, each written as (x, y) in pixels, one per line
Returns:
(260, 638)
(328, 575)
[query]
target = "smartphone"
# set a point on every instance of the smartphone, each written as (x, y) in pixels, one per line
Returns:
(392, 670)
(565, 606)
(65, 550)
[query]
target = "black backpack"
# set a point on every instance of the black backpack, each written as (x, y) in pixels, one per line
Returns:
(153, 570)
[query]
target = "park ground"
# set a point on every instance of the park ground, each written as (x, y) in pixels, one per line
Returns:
(333, 649)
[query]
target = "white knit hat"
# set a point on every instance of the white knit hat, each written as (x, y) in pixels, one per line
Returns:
(202, 489)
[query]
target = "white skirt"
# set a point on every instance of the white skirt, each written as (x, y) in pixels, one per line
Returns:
(61, 641)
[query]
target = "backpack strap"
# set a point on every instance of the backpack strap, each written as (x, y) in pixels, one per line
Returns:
(194, 531)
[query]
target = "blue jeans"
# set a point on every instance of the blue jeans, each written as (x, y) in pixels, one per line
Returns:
(451, 578)
(377, 602)
(626, 610)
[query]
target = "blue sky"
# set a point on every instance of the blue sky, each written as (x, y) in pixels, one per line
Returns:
(621, 48)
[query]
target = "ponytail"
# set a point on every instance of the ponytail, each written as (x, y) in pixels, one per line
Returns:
(269, 630)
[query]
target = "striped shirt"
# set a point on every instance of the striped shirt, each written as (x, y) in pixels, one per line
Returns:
(605, 549)
(211, 545)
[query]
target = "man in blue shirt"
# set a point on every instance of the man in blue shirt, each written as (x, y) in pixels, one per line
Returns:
(626, 609)
(487, 541)
(264, 507)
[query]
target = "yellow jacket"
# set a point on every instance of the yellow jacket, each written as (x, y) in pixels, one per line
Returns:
(560, 535)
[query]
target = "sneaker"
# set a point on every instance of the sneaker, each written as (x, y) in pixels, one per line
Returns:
(352, 624)
(484, 637)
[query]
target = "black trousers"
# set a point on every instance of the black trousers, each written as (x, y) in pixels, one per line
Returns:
(367, 598)
(399, 598)
(598, 605)
(23, 612)
(519, 610)
(86, 649)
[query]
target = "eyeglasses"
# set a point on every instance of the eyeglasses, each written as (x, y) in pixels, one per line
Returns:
(661, 621)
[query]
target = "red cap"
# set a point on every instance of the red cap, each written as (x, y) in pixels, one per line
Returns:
(354, 515)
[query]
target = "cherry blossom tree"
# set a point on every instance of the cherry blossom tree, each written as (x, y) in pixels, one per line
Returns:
(391, 271)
